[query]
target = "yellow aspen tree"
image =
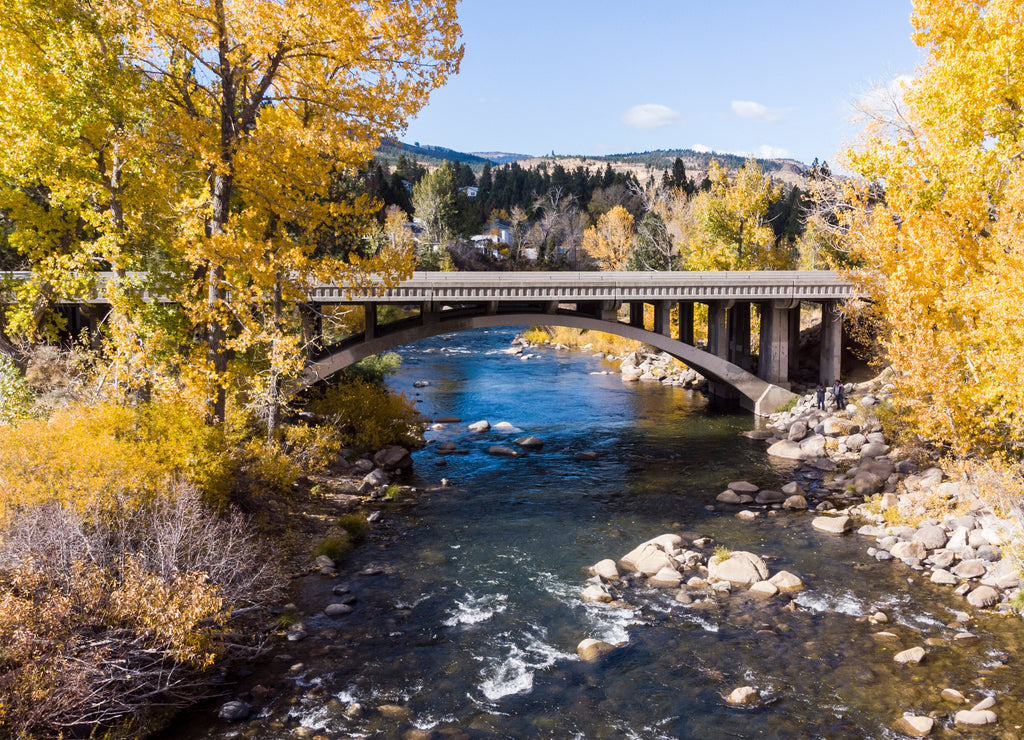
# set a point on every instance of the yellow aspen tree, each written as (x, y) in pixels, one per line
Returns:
(242, 115)
(943, 251)
(731, 231)
(610, 243)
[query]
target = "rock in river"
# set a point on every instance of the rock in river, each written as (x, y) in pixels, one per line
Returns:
(832, 524)
(591, 649)
(739, 568)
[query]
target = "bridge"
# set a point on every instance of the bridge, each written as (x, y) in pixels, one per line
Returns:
(447, 302)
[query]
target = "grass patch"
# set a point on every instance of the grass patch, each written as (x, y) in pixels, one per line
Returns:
(334, 547)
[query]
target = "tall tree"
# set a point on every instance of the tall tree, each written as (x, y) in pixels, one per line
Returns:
(943, 253)
(214, 128)
(610, 242)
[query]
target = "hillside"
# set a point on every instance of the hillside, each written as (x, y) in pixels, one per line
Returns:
(642, 165)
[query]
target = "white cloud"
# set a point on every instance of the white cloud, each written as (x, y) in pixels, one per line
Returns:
(702, 148)
(758, 112)
(766, 151)
(651, 115)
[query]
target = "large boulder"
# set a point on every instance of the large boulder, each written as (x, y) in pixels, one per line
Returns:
(914, 725)
(393, 458)
(591, 649)
(740, 568)
(835, 426)
(832, 524)
(932, 536)
(786, 449)
(606, 569)
(530, 442)
(480, 426)
(647, 559)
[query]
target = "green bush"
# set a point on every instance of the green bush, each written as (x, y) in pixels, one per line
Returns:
(334, 547)
(16, 397)
(356, 526)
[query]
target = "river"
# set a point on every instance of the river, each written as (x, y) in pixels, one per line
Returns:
(467, 620)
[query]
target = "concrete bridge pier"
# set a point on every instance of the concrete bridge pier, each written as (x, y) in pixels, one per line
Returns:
(831, 342)
(636, 314)
(718, 345)
(663, 318)
(685, 309)
(773, 365)
(738, 331)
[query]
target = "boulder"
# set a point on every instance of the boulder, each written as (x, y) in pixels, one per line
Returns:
(795, 503)
(234, 711)
(982, 597)
(587, 456)
(832, 524)
(764, 588)
(591, 649)
(325, 564)
(393, 458)
(606, 569)
(647, 559)
(502, 451)
(874, 449)
(530, 442)
(813, 447)
(855, 442)
(730, 497)
(376, 478)
(742, 486)
(744, 696)
(932, 536)
(953, 696)
(970, 569)
(786, 449)
(770, 497)
(667, 542)
(909, 551)
(665, 578)
(971, 718)
(480, 426)
(913, 656)
(914, 725)
(337, 610)
(739, 568)
(786, 582)
(944, 577)
(835, 426)
(797, 431)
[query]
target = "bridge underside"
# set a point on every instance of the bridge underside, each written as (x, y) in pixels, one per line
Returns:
(726, 363)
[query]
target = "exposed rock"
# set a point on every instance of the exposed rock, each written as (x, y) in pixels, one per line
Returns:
(337, 610)
(987, 703)
(813, 447)
(730, 497)
(764, 588)
(596, 593)
(970, 569)
(786, 449)
(832, 524)
(234, 711)
(587, 456)
(931, 536)
(647, 559)
(448, 420)
(744, 696)
(797, 431)
(795, 503)
(480, 426)
(530, 442)
(393, 458)
(375, 478)
(740, 568)
(835, 426)
(786, 582)
(982, 597)
(874, 449)
(770, 497)
(665, 578)
(913, 656)
(953, 696)
(325, 564)
(591, 649)
(944, 577)
(914, 725)
(742, 486)
(606, 569)
(502, 451)
(970, 718)
(909, 551)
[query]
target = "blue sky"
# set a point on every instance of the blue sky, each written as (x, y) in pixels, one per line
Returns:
(603, 77)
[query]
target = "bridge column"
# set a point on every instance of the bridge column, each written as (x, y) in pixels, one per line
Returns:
(794, 341)
(608, 310)
(738, 331)
(311, 319)
(718, 337)
(686, 323)
(773, 365)
(831, 342)
(369, 321)
(663, 318)
(636, 314)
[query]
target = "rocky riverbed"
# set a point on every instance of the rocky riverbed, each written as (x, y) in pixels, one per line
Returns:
(851, 481)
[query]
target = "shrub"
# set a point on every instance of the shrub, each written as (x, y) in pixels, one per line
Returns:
(535, 335)
(108, 618)
(16, 397)
(356, 526)
(368, 417)
(334, 547)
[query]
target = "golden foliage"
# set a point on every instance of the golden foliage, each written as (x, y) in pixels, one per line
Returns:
(943, 253)
(610, 243)
(367, 417)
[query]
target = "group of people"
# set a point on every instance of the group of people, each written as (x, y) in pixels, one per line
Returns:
(837, 391)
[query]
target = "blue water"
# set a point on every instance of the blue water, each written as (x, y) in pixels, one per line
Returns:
(472, 626)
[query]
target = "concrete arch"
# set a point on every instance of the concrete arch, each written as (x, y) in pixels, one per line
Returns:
(756, 395)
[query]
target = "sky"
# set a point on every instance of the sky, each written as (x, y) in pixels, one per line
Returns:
(772, 78)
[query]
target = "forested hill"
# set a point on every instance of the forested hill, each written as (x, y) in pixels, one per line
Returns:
(637, 163)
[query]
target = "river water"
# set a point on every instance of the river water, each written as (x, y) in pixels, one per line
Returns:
(467, 620)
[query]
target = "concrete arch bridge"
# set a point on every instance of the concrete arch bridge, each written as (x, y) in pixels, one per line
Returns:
(448, 302)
